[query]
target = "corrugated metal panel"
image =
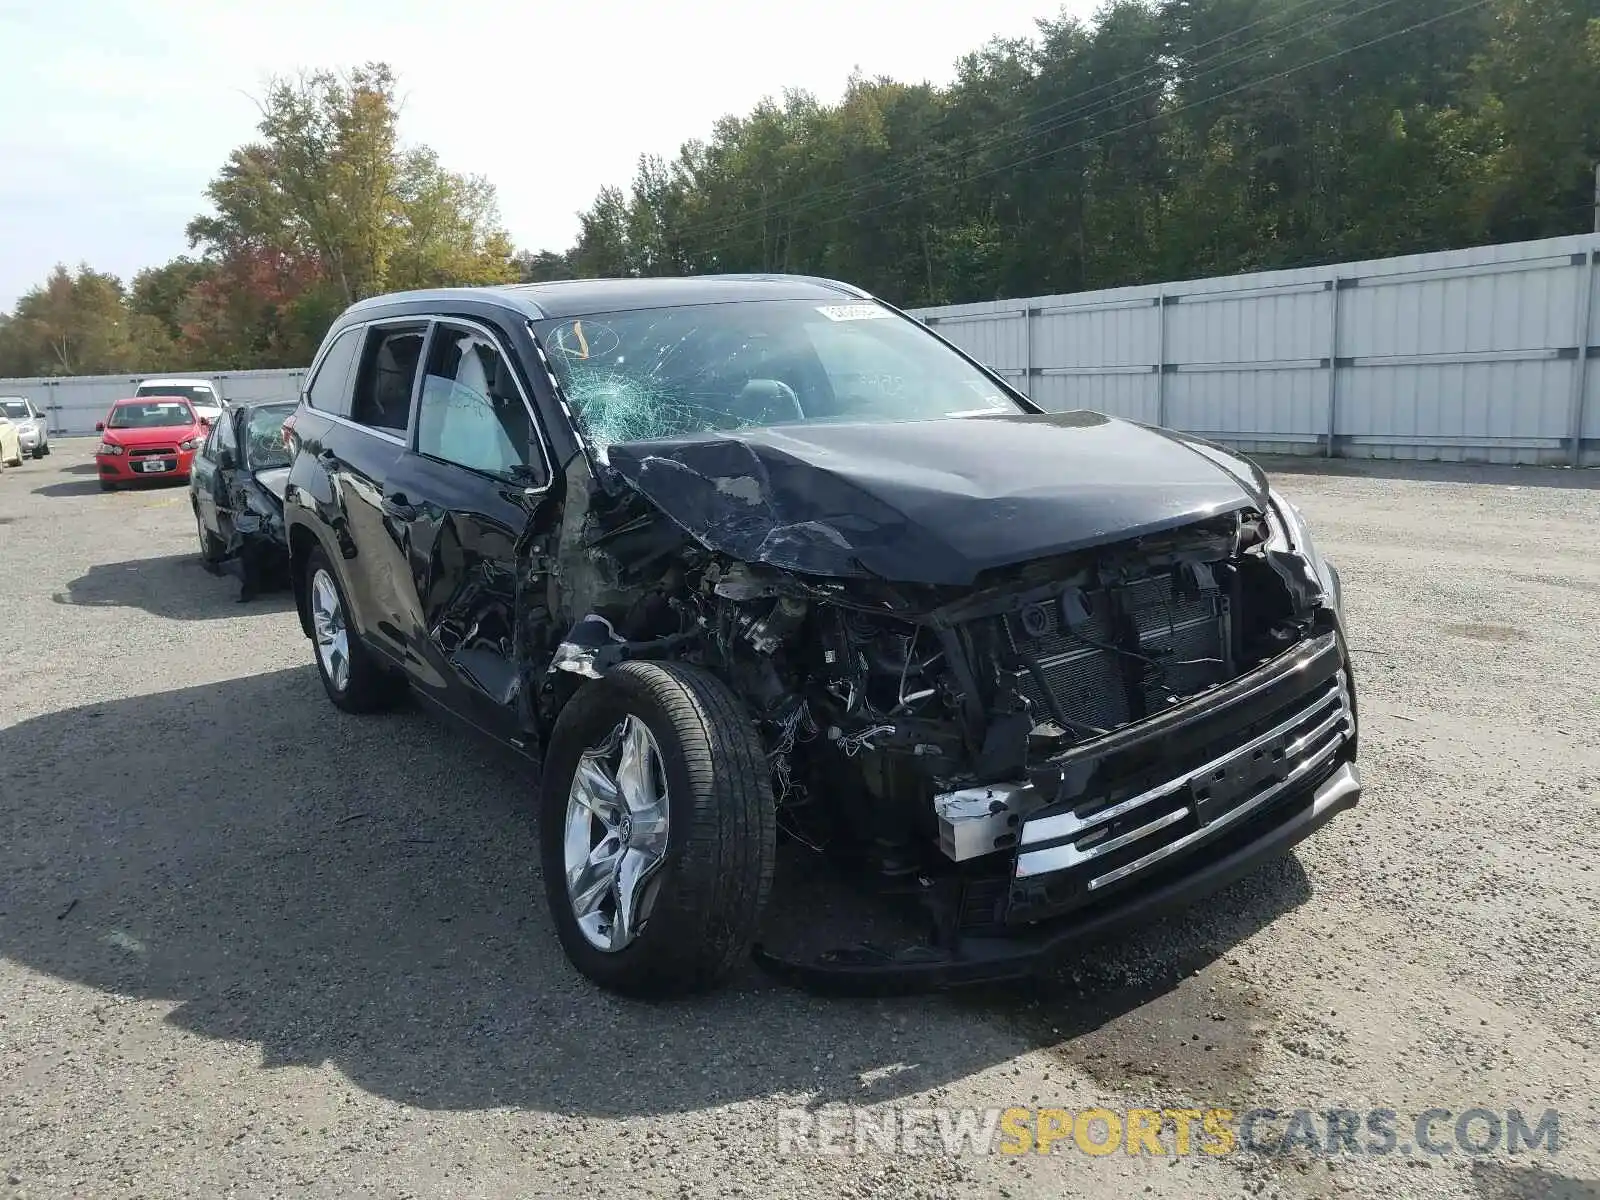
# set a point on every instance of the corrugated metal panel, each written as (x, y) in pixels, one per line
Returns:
(75, 403)
(1467, 355)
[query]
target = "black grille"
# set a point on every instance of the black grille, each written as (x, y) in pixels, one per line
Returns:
(1136, 649)
(152, 452)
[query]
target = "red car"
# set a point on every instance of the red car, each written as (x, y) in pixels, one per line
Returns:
(150, 437)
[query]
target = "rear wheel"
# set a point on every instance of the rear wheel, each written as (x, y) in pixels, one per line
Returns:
(658, 830)
(353, 679)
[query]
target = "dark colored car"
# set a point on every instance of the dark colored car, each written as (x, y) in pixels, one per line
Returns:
(236, 485)
(738, 556)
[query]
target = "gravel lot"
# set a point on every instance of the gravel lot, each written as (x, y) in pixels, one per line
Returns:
(250, 946)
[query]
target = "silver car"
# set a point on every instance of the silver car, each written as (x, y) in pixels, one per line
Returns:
(33, 430)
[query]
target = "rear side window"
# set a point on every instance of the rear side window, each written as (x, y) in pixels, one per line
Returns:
(330, 388)
(385, 379)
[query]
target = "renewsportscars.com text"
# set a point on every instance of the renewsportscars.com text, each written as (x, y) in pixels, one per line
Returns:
(1167, 1132)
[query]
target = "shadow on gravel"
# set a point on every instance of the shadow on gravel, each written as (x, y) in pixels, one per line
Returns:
(175, 586)
(72, 487)
(365, 892)
(1492, 474)
(1505, 1181)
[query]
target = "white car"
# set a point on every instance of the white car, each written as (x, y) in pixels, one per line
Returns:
(10, 443)
(202, 397)
(32, 428)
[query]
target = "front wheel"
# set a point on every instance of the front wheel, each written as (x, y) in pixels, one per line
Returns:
(657, 829)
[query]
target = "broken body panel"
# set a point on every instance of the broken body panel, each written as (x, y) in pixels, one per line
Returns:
(1016, 668)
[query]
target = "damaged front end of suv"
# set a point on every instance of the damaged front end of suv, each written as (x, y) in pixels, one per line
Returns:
(1029, 676)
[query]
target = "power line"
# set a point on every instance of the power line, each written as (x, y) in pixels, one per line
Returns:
(1255, 83)
(1030, 114)
(894, 173)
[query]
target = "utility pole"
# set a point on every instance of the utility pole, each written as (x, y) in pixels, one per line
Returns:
(1597, 197)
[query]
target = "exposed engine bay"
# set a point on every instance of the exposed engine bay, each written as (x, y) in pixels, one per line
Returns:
(877, 701)
(1080, 696)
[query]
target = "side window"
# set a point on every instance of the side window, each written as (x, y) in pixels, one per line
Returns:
(383, 384)
(471, 412)
(329, 391)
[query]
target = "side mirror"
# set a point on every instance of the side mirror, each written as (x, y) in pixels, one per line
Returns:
(99, 426)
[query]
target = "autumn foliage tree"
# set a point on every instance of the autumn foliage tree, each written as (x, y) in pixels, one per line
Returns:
(326, 206)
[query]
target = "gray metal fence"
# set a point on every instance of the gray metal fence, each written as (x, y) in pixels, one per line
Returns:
(1468, 355)
(75, 403)
(1465, 355)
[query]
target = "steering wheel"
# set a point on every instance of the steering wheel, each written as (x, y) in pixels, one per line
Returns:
(767, 402)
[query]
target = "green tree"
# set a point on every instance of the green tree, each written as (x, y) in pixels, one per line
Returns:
(329, 182)
(79, 323)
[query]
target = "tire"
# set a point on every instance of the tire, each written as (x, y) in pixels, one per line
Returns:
(212, 548)
(39, 452)
(702, 903)
(364, 685)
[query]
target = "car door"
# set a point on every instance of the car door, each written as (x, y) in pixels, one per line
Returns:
(474, 482)
(209, 472)
(359, 453)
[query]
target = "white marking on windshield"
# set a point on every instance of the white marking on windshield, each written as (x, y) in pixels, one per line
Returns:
(853, 312)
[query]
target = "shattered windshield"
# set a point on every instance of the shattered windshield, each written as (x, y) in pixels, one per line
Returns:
(668, 372)
(263, 438)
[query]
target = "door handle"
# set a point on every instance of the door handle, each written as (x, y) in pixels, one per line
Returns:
(398, 507)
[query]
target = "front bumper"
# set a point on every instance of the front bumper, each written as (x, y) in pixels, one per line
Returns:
(1141, 822)
(123, 468)
(1025, 953)
(29, 438)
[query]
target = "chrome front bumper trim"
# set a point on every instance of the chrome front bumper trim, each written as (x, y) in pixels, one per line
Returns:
(1307, 753)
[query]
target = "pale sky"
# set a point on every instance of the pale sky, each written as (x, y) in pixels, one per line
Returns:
(114, 114)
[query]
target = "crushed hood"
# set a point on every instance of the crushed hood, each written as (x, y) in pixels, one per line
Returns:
(933, 502)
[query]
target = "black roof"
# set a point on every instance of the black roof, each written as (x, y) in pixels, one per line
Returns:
(581, 297)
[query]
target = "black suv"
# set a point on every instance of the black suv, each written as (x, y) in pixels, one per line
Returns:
(740, 556)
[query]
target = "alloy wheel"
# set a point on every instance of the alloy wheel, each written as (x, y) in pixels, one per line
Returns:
(328, 624)
(616, 834)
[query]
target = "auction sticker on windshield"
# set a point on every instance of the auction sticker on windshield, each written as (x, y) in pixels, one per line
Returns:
(853, 312)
